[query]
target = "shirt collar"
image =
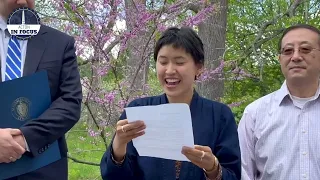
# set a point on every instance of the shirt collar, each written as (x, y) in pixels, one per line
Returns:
(164, 99)
(3, 23)
(284, 92)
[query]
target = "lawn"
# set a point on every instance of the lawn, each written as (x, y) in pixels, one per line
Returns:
(85, 148)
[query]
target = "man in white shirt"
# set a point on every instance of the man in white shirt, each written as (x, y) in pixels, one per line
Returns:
(279, 133)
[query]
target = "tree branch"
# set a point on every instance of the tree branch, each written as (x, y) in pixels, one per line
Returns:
(141, 62)
(82, 162)
(257, 44)
(193, 7)
(263, 28)
(293, 7)
(102, 133)
(111, 21)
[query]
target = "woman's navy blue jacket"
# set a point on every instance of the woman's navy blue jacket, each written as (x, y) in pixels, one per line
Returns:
(213, 125)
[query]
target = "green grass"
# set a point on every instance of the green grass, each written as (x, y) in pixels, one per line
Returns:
(85, 148)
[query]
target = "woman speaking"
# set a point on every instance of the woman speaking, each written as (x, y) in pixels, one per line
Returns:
(179, 57)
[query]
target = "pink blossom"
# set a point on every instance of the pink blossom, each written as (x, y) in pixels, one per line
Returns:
(161, 27)
(109, 98)
(73, 7)
(92, 133)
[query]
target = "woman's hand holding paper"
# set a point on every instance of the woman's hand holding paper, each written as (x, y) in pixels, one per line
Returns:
(203, 157)
(125, 132)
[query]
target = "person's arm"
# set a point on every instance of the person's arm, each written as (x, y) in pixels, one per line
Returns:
(63, 113)
(215, 173)
(119, 170)
(227, 148)
(246, 138)
(127, 168)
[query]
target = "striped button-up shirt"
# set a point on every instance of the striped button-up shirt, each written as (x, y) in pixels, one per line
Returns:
(280, 137)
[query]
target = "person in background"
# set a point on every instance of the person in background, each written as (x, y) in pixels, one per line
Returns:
(54, 52)
(179, 57)
(279, 133)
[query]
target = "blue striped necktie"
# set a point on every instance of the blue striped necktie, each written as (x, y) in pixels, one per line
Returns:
(13, 61)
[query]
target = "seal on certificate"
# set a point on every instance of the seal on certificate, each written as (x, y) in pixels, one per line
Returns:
(21, 108)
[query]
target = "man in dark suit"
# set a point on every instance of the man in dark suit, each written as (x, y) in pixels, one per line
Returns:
(53, 51)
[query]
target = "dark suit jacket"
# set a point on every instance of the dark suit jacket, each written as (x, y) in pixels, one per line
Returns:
(213, 125)
(53, 51)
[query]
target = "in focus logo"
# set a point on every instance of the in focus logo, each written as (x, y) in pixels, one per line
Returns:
(23, 23)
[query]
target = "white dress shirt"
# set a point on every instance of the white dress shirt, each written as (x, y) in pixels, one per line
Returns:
(280, 137)
(4, 40)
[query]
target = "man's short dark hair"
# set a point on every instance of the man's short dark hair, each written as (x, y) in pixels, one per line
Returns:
(298, 26)
(185, 38)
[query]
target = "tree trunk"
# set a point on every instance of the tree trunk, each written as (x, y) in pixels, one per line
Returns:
(213, 34)
(137, 66)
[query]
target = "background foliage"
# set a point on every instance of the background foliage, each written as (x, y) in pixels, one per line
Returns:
(115, 40)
